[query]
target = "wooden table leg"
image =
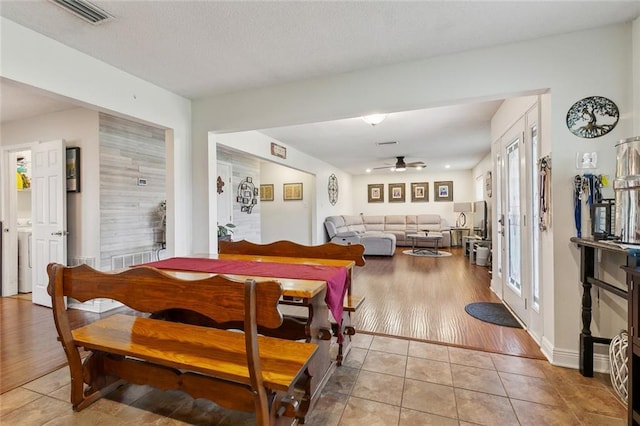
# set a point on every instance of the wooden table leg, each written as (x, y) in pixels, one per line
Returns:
(319, 332)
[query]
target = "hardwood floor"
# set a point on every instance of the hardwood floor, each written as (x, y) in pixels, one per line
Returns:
(424, 298)
(28, 341)
(412, 297)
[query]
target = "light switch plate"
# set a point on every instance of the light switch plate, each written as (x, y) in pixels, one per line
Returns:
(586, 160)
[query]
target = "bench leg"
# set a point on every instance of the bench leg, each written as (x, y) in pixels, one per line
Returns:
(77, 378)
(92, 373)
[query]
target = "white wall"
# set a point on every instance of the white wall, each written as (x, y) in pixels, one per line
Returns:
(259, 145)
(79, 128)
(35, 60)
(243, 166)
(552, 63)
(485, 165)
(286, 220)
(462, 191)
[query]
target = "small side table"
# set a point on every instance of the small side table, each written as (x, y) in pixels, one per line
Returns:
(468, 243)
(460, 232)
(474, 247)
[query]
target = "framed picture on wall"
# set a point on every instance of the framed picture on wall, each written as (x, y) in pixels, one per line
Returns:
(73, 170)
(375, 193)
(266, 192)
(396, 192)
(443, 190)
(419, 192)
(292, 191)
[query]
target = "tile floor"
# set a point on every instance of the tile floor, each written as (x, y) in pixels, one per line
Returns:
(384, 381)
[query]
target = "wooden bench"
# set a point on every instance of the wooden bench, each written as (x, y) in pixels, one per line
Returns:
(353, 252)
(238, 371)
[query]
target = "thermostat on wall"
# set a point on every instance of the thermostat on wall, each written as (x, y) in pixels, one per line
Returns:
(142, 182)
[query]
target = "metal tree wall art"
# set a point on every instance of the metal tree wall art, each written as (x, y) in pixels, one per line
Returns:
(592, 117)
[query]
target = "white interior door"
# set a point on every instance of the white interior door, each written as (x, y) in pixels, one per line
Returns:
(520, 266)
(9, 221)
(49, 204)
(515, 284)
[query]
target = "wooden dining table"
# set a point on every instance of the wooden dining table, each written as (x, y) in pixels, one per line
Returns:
(304, 304)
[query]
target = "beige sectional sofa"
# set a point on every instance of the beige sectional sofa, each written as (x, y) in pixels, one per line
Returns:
(381, 234)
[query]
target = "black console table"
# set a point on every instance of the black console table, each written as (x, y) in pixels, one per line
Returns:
(633, 351)
(588, 250)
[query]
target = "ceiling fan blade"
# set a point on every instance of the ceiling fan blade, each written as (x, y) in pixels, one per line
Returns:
(400, 163)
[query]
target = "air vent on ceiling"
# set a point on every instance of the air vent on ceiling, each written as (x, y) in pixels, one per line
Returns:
(85, 10)
(386, 143)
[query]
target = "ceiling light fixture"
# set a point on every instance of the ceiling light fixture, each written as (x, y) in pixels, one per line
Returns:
(374, 119)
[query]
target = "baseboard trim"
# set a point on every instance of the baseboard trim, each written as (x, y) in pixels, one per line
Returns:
(564, 357)
(571, 358)
(97, 306)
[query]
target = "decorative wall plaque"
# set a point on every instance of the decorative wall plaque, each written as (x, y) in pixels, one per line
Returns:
(592, 117)
(247, 195)
(220, 184)
(278, 150)
(333, 189)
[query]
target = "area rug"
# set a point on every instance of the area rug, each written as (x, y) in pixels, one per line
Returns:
(427, 254)
(494, 313)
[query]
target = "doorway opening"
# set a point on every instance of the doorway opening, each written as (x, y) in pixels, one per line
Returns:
(16, 203)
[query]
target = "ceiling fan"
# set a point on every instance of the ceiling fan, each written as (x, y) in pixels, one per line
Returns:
(401, 166)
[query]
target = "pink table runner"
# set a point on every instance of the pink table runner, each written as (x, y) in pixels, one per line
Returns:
(335, 276)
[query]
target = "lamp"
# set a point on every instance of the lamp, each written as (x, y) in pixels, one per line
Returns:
(374, 119)
(461, 208)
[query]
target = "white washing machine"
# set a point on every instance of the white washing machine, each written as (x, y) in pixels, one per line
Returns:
(24, 259)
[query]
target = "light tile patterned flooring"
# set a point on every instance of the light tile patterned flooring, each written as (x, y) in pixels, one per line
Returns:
(384, 381)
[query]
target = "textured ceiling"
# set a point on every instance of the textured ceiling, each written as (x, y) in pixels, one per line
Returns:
(457, 136)
(203, 48)
(199, 48)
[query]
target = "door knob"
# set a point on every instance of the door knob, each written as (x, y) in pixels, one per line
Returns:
(60, 233)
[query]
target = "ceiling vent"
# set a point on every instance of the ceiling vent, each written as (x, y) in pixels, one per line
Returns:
(386, 143)
(84, 10)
